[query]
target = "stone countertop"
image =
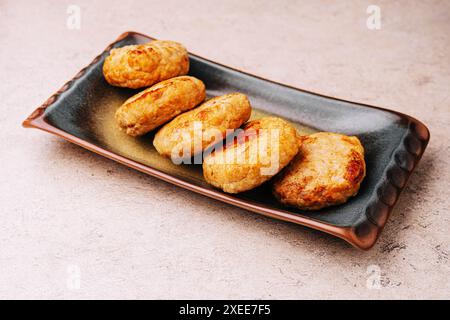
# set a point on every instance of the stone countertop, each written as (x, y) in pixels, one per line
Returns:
(76, 225)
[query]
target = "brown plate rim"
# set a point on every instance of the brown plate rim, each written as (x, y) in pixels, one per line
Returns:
(362, 236)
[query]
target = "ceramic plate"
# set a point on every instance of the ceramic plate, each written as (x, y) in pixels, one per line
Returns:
(82, 112)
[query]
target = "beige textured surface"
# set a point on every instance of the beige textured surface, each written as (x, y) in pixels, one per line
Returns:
(133, 236)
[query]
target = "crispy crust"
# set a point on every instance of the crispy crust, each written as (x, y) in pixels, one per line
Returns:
(327, 171)
(158, 104)
(139, 66)
(218, 114)
(238, 176)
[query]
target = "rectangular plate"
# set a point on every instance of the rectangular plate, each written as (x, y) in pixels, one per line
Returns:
(82, 112)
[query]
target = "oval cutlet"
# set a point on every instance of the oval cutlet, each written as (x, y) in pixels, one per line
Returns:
(139, 66)
(238, 176)
(328, 170)
(159, 104)
(214, 117)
